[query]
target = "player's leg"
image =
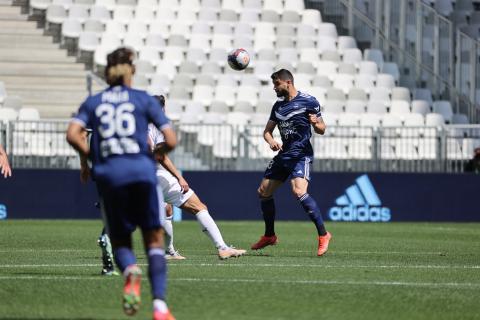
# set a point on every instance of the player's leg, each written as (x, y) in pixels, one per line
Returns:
(265, 192)
(115, 208)
(196, 207)
(105, 245)
(151, 217)
(275, 174)
(170, 251)
(299, 183)
(157, 271)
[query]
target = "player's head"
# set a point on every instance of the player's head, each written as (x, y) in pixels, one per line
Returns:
(161, 100)
(476, 152)
(282, 82)
(120, 68)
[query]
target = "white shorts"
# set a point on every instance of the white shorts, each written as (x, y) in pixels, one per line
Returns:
(172, 192)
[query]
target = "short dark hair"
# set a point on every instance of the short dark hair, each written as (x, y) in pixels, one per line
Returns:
(119, 64)
(161, 100)
(282, 74)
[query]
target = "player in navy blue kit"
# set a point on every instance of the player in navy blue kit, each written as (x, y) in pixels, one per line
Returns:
(294, 113)
(124, 171)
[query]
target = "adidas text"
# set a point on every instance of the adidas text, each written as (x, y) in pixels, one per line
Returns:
(361, 214)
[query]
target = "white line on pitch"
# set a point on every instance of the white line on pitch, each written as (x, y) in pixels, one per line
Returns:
(301, 282)
(13, 250)
(241, 265)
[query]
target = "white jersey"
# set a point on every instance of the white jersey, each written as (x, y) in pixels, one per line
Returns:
(156, 137)
(172, 191)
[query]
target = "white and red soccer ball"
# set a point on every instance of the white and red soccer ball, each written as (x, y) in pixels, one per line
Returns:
(238, 59)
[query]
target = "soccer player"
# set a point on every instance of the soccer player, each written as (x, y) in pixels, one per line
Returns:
(177, 192)
(294, 113)
(124, 172)
(4, 165)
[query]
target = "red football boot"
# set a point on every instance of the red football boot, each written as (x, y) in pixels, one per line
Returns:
(265, 241)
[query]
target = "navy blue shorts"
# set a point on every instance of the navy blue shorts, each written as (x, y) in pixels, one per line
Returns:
(279, 169)
(129, 206)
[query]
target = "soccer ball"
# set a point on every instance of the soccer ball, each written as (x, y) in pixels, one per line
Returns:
(238, 59)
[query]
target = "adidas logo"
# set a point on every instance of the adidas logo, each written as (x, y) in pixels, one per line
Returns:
(360, 203)
(3, 211)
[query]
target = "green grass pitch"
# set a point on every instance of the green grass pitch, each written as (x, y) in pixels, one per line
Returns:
(50, 270)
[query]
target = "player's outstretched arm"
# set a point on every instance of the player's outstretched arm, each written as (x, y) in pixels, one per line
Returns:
(4, 164)
(268, 136)
(317, 123)
(76, 138)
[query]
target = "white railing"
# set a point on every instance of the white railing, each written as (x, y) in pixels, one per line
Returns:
(42, 144)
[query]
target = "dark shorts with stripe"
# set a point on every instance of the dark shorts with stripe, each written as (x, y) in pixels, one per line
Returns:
(129, 206)
(280, 169)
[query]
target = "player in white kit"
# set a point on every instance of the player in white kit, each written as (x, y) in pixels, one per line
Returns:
(177, 193)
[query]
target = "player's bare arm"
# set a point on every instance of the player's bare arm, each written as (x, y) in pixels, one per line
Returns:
(76, 138)
(317, 123)
(170, 167)
(163, 148)
(268, 136)
(4, 164)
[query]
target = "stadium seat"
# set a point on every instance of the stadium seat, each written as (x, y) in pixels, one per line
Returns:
(357, 94)
(376, 107)
(245, 107)
(291, 16)
(203, 94)
(346, 42)
(365, 82)
(399, 107)
(78, 12)
(219, 106)
(71, 29)
(326, 44)
(311, 17)
(401, 93)
(420, 106)
(385, 80)
(380, 94)
(226, 94)
(343, 82)
(355, 107)
(434, 120)
(374, 55)
(370, 120)
(8, 114)
(444, 108)
(334, 106)
(460, 118)
(327, 29)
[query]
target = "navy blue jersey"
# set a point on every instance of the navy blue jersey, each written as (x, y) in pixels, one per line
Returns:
(292, 121)
(119, 117)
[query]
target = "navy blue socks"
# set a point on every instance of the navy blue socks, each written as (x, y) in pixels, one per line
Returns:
(268, 209)
(311, 208)
(157, 272)
(124, 257)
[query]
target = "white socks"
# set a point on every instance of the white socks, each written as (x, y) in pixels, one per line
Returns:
(210, 228)
(168, 227)
(160, 305)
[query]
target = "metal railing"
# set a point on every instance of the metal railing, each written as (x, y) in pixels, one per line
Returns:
(42, 144)
(429, 51)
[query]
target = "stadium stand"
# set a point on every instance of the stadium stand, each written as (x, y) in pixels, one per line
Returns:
(182, 48)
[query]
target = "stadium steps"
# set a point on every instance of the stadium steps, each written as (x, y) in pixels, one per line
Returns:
(35, 68)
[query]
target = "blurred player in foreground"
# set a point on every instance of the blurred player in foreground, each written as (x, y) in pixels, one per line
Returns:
(177, 192)
(293, 113)
(124, 172)
(4, 164)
